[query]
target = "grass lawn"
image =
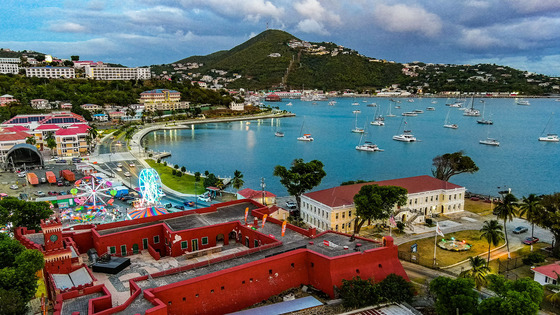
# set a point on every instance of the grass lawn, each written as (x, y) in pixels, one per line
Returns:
(523, 271)
(479, 207)
(183, 184)
(445, 257)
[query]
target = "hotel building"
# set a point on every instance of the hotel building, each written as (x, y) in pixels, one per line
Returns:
(116, 73)
(51, 72)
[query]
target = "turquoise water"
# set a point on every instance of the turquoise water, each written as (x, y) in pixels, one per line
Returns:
(521, 162)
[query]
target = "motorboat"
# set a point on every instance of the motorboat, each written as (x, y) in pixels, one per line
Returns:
(406, 136)
(523, 102)
(356, 111)
(455, 104)
(451, 126)
(409, 114)
(490, 141)
(551, 137)
(418, 111)
(368, 147)
(279, 134)
(372, 105)
(410, 100)
(355, 104)
(358, 130)
(331, 103)
(377, 122)
(485, 121)
(305, 137)
(289, 104)
(430, 108)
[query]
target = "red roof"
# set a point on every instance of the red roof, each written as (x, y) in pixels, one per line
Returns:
(251, 193)
(12, 136)
(549, 270)
(344, 195)
(73, 130)
(48, 127)
(16, 128)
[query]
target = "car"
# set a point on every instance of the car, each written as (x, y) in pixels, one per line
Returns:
(520, 229)
(21, 174)
(22, 196)
(131, 165)
(169, 205)
(67, 183)
(61, 161)
(292, 205)
(40, 194)
(126, 174)
(118, 169)
(43, 180)
(59, 183)
(530, 240)
(14, 187)
(127, 198)
(179, 207)
(53, 193)
(189, 203)
(119, 164)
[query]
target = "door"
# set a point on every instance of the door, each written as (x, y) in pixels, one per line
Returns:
(145, 243)
(123, 250)
(194, 245)
(135, 248)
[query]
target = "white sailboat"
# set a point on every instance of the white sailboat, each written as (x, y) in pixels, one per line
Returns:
(549, 137)
(379, 119)
(523, 102)
(367, 146)
(483, 120)
(356, 128)
(278, 133)
(389, 114)
(489, 141)
(473, 112)
(406, 136)
(306, 136)
(447, 124)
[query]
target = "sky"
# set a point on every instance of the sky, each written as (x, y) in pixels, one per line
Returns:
(524, 34)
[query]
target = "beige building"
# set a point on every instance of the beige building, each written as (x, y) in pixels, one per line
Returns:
(334, 209)
(162, 99)
(50, 72)
(116, 73)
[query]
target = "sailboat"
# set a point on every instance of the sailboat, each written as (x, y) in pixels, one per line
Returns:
(304, 137)
(356, 129)
(379, 119)
(278, 133)
(406, 136)
(490, 141)
(549, 137)
(390, 114)
(473, 112)
(332, 103)
(367, 146)
(482, 120)
(446, 124)
(354, 103)
(523, 102)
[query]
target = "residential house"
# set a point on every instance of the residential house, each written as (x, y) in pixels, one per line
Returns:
(547, 274)
(257, 195)
(91, 107)
(40, 103)
(100, 117)
(7, 98)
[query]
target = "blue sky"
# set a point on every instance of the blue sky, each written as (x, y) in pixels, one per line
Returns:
(524, 34)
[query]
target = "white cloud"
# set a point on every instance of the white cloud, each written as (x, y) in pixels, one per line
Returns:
(533, 6)
(312, 9)
(255, 9)
(311, 26)
(402, 18)
(67, 27)
(479, 39)
(547, 64)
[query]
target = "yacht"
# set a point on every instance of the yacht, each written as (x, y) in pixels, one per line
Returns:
(523, 102)
(418, 111)
(410, 100)
(409, 114)
(490, 141)
(377, 122)
(457, 105)
(406, 136)
(356, 111)
(331, 103)
(372, 105)
(289, 104)
(358, 130)
(473, 112)
(279, 134)
(551, 137)
(430, 108)
(355, 104)
(485, 121)
(452, 126)
(368, 147)
(305, 137)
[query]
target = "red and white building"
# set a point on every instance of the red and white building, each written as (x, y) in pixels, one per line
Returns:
(262, 197)
(71, 141)
(6, 98)
(547, 274)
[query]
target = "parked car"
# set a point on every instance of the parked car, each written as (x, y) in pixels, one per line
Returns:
(131, 165)
(179, 207)
(119, 164)
(40, 194)
(59, 183)
(520, 229)
(67, 183)
(22, 196)
(530, 240)
(291, 205)
(61, 161)
(21, 174)
(189, 203)
(14, 187)
(126, 198)
(118, 169)
(126, 174)
(43, 180)
(169, 205)
(52, 193)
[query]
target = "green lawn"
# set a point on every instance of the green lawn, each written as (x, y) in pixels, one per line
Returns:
(445, 257)
(183, 184)
(479, 207)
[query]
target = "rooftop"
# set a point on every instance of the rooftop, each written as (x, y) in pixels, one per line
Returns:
(550, 271)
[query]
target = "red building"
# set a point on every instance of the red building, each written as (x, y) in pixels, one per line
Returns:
(226, 259)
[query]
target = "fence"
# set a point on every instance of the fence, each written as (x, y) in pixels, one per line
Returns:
(410, 257)
(509, 264)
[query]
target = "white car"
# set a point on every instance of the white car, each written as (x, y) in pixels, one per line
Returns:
(22, 174)
(118, 169)
(131, 165)
(119, 165)
(14, 187)
(126, 174)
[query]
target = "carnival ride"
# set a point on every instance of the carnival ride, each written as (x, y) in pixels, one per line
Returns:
(92, 195)
(149, 185)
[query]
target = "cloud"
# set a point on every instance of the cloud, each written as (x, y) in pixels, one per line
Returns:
(407, 19)
(313, 10)
(479, 39)
(311, 26)
(252, 10)
(67, 27)
(546, 64)
(534, 6)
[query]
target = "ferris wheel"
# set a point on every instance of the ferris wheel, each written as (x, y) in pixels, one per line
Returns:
(150, 186)
(94, 192)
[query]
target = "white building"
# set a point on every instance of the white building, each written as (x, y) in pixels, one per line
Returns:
(9, 68)
(237, 106)
(40, 103)
(117, 73)
(51, 72)
(334, 209)
(547, 274)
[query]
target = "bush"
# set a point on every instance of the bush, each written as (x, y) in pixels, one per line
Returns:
(164, 163)
(173, 172)
(400, 226)
(395, 288)
(179, 173)
(534, 258)
(158, 161)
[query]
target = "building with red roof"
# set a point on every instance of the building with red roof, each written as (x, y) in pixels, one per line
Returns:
(162, 99)
(257, 195)
(71, 141)
(10, 138)
(547, 274)
(333, 208)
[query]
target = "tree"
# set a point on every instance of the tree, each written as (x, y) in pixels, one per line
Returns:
(492, 232)
(549, 218)
(196, 180)
(30, 140)
(23, 213)
(183, 169)
(530, 208)
(375, 202)
(51, 141)
(396, 289)
(479, 270)
(451, 164)
(522, 296)
(301, 177)
(237, 179)
(75, 58)
(454, 296)
(358, 292)
(506, 210)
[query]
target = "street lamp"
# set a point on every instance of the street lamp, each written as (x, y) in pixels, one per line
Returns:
(263, 185)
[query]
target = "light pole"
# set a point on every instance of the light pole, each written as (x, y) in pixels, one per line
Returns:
(263, 185)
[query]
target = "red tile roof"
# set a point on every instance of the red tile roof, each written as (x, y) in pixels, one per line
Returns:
(251, 193)
(12, 136)
(16, 128)
(73, 130)
(549, 270)
(344, 195)
(47, 127)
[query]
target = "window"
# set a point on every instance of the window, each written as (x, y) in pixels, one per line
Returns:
(415, 200)
(349, 225)
(437, 198)
(336, 228)
(184, 245)
(205, 240)
(343, 213)
(112, 250)
(343, 226)
(336, 216)
(426, 199)
(349, 214)
(432, 198)
(256, 243)
(156, 239)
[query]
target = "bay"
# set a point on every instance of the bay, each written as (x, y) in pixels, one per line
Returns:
(521, 162)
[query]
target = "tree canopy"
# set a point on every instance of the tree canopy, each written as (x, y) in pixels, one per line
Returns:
(360, 292)
(522, 296)
(28, 214)
(375, 202)
(454, 296)
(451, 164)
(549, 218)
(301, 177)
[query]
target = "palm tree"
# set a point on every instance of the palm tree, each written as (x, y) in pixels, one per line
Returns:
(478, 271)
(238, 179)
(30, 140)
(554, 297)
(506, 210)
(530, 207)
(492, 232)
(51, 141)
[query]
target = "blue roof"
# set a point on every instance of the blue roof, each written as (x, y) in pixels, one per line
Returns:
(158, 91)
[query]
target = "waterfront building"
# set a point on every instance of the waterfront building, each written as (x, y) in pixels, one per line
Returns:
(40, 103)
(162, 99)
(61, 119)
(51, 72)
(100, 117)
(116, 73)
(7, 98)
(216, 260)
(236, 106)
(334, 209)
(116, 115)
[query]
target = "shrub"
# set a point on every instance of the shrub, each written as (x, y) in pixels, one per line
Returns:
(534, 258)
(173, 172)
(400, 226)
(395, 288)
(158, 161)
(179, 173)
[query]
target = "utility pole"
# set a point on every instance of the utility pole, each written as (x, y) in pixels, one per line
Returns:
(263, 185)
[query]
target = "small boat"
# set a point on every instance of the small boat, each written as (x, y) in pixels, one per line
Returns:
(356, 128)
(418, 111)
(451, 126)
(355, 104)
(409, 114)
(485, 121)
(305, 137)
(473, 112)
(405, 137)
(331, 103)
(523, 102)
(368, 147)
(289, 104)
(430, 108)
(279, 134)
(551, 137)
(377, 122)
(364, 101)
(356, 111)
(490, 141)
(372, 105)
(410, 100)
(397, 107)
(457, 105)
(434, 102)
